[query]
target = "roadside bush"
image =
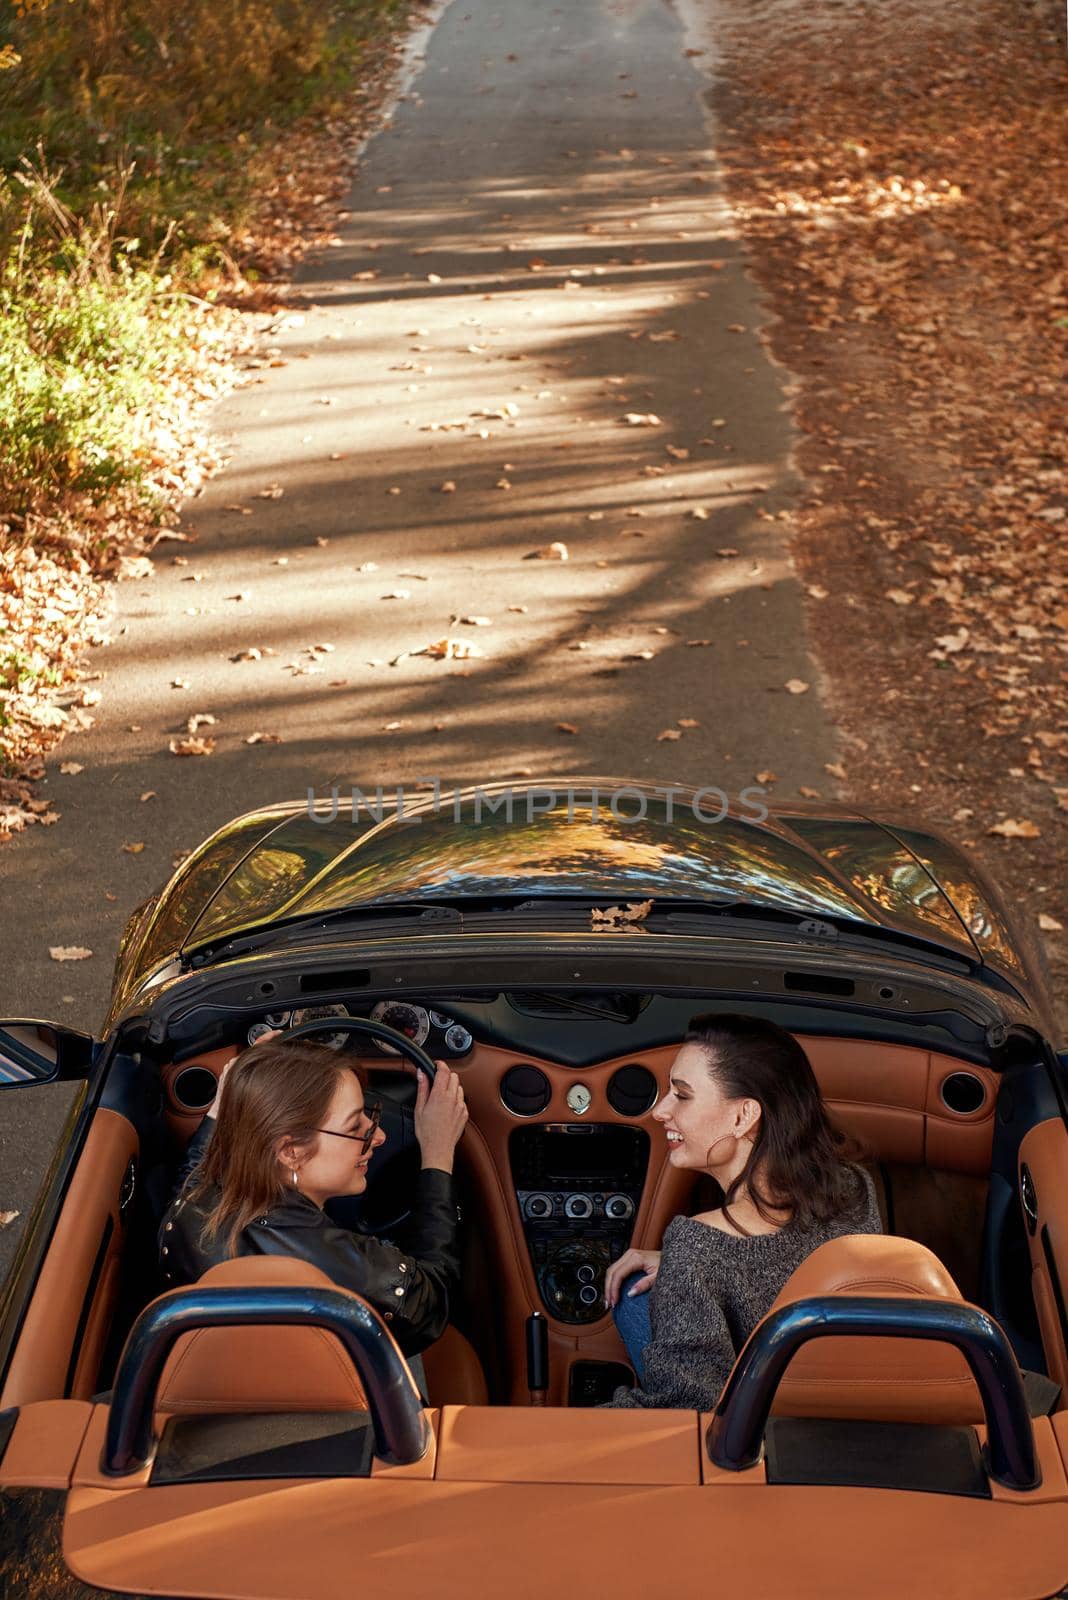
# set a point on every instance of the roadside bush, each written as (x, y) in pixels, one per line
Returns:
(86, 340)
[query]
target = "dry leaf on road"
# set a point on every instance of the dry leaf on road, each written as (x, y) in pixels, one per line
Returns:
(450, 650)
(557, 551)
(192, 747)
(70, 769)
(767, 777)
(149, 794)
(69, 952)
(264, 738)
(1011, 828)
(796, 686)
(566, 727)
(668, 733)
(134, 849)
(1049, 924)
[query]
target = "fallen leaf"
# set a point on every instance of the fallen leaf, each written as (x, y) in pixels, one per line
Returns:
(448, 487)
(69, 952)
(796, 686)
(900, 597)
(134, 849)
(200, 719)
(767, 777)
(807, 793)
(71, 768)
(273, 491)
(149, 794)
(1011, 828)
(566, 727)
(668, 733)
(817, 591)
(699, 514)
(1049, 924)
(253, 653)
(396, 594)
(642, 419)
(8, 1217)
(477, 622)
(191, 747)
(179, 683)
(557, 551)
(688, 722)
(450, 650)
(264, 738)
(697, 644)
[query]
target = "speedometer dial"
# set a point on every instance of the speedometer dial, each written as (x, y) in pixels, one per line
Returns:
(410, 1020)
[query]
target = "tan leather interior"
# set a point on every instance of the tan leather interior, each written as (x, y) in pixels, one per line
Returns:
(74, 1299)
(887, 1096)
(1044, 1152)
(291, 1368)
(572, 1523)
(259, 1369)
(880, 1380)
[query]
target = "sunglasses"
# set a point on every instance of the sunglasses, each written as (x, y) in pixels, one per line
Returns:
(374, 1115)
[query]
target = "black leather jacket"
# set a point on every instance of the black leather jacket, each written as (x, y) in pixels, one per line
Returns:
(410, 1286)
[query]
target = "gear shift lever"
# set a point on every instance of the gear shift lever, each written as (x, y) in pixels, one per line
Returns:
(537, 1358)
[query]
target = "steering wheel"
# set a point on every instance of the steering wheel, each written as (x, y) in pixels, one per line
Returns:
(391, 1176)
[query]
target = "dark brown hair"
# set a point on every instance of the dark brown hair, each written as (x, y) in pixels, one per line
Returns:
(798, 1162)
(273, 1091)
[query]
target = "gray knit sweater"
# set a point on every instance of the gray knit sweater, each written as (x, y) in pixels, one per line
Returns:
(710, 1292)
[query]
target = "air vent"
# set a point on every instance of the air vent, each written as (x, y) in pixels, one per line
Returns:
(194, 1088)
(632, 1091)
(526, 1091)
(814, 983)
(963, 1093)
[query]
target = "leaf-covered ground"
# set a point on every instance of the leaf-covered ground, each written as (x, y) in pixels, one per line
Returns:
(900, 173)
(60, 559)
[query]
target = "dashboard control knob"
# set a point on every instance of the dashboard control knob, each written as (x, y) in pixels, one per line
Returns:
(620, 1207)
(577, 1206)
(588, 1294)
(538, 1206)
(586, 1273)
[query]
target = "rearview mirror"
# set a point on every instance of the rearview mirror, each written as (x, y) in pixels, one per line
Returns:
(40, 1052)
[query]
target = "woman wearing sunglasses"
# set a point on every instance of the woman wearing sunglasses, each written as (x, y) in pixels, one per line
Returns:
(288, 1130)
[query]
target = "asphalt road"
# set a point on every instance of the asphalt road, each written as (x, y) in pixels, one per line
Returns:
(535, 249)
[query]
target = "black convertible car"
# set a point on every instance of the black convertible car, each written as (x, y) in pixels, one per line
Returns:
(258, 1435)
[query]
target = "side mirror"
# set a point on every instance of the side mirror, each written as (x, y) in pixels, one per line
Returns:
(42, 1052)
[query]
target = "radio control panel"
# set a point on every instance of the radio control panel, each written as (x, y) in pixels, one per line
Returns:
(578, 1191)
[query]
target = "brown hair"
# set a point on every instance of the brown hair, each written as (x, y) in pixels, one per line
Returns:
(798, 1162)
(273, 1091)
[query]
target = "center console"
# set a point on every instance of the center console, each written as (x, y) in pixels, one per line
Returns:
(578, 1187)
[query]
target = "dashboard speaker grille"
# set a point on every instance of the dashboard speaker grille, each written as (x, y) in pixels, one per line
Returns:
(632, 1091)
(525, 1091)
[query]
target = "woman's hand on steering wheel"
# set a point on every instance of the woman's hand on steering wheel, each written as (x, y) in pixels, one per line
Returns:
(265, 1038)
(440, 1116)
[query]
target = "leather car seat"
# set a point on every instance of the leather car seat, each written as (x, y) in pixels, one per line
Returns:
(876, 1379)
(286, 1368)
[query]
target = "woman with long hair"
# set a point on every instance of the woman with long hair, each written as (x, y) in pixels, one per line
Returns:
(743, 1106)
(289, 1130)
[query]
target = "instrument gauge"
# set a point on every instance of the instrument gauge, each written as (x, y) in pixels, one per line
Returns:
(410, 1020)
(440, 1020)
(458, 1040)
(335, 1041)
(258, 1029)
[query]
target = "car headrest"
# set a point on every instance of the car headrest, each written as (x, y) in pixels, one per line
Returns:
(877, 1379)
(260, 1369)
